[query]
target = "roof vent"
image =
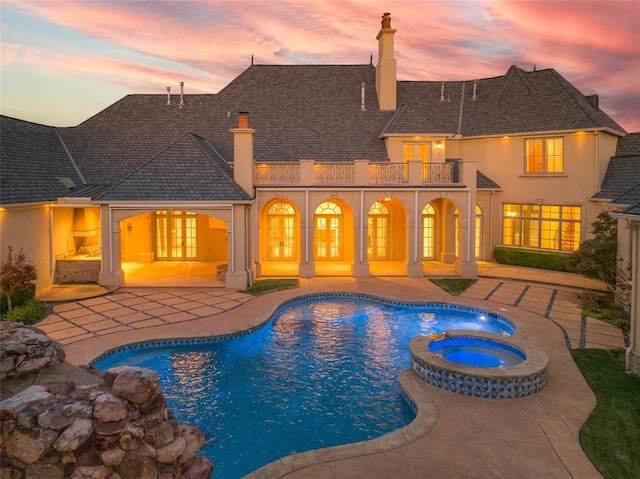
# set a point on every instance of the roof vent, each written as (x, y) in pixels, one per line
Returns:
(168, 95)
(66, 181)
(362, 104)
(181, 94)
(475, 90)
(442, 92)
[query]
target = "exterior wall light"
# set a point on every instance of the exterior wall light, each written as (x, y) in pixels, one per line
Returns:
(438, 145)
(129, 228)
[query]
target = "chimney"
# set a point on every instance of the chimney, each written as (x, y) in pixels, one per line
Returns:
(243, 153)
(386, 67)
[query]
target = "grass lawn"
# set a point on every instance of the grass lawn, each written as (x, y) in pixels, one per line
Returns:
(454, 286)
(263, 286)
(611, 435)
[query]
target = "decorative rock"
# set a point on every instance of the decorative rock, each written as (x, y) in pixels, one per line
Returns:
(78, 432)
(28, 445)
(109, 408)
(136, 466)
(112, 457)
(171, 452)
(40, 471)
(135, 384)
(74, 425)
(194, 440)
(198, 468)
(29, 396)
(53, 418)
(91, 472)
(164, 435)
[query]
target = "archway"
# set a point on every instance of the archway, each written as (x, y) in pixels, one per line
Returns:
(279, 239)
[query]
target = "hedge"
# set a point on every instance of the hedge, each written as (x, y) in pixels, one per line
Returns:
(531, 259)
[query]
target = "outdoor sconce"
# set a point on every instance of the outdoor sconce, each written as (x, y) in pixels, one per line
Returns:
(129, 228)
(438, 145)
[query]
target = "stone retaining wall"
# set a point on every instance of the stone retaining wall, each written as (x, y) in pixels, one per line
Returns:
(119, 428)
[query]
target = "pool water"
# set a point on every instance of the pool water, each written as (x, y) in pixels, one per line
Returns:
(322, 372)
(477, 352)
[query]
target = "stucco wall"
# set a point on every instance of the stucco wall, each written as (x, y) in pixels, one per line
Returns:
(29, 228)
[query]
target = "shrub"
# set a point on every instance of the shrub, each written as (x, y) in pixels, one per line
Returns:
(15, 273)
(21, 297)
(531, 259)
(29, 313)
(598, 257)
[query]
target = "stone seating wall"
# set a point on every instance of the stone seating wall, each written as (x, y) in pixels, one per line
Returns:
(117, 428)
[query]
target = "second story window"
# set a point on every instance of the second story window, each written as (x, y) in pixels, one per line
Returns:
(544, 155)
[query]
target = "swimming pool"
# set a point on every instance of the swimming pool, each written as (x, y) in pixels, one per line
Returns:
(322, 372)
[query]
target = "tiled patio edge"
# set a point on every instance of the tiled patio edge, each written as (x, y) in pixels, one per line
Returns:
(426, 418)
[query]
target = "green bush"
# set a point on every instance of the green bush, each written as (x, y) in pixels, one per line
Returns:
(28, 313)
(21, 297)
(531, 259)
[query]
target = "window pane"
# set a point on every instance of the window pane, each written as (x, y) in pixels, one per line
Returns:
(408, 152)
(423, 152)
(550, 234)
(549, 211)
(511, 232)
(534, 156)
(530, 233)
(555, 155)
(570, 236)
(510, 210)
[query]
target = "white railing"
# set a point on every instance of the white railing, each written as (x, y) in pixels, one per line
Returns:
(388, 173)
(277, 173)
(438, 172)
(334, 173)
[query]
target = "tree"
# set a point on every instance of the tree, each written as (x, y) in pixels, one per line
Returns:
(598, 257)
(15, 273)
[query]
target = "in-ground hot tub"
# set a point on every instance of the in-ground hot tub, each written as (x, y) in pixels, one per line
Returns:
(479, 364)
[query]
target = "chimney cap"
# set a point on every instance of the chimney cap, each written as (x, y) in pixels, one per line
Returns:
(386, 20)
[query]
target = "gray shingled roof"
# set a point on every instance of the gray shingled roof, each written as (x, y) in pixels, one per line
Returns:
(187, 170)
(517, 102)
(630, 197)
(623, 171)
(483, 182)
(299, 112)
(32, 158)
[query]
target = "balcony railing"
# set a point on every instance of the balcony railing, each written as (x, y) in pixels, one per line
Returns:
(357, 173)
(333, 173)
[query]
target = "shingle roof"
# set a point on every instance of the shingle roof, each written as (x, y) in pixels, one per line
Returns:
(623, 171)
(33, 163)
(187, 170)
(517, 102)
(483, 182)
(299, 112)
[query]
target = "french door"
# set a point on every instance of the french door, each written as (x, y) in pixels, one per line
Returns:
(175, 235)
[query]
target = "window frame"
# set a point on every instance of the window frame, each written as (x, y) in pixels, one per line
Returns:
(515, 214)
(544, 159)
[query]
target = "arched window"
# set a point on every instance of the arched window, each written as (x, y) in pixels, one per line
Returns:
(281, 218)
(328, 231)
(378, 232)
(429, 232)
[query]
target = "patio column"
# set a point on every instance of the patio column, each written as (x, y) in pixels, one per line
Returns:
(111, 273)
(237, 276)
(307, 267)
(466, 260)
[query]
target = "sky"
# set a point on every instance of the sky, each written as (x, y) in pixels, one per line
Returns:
(63, 61)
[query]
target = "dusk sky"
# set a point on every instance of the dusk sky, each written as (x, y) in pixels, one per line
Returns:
(64, 61)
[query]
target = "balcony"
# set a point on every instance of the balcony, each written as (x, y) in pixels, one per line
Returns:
(356, 173)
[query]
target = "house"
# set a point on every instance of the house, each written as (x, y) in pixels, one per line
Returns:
(621, 186)
(307, 170)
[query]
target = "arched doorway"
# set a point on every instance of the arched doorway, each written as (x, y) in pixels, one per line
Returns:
(429, 230)
(378, 232)
(279, 243)
(328, 232)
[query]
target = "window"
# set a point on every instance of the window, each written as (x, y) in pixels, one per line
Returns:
(429, 232)
(328, 231)
(281, 230)
(542, 226)
(544, 155)
(417, 152)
